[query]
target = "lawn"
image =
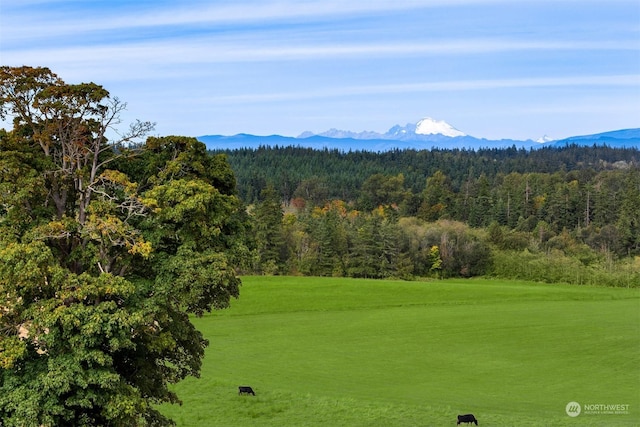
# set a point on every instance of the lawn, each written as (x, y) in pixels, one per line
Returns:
(347, 352)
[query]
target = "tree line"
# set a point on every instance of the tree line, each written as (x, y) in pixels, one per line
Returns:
(320, 175)
(478, 213)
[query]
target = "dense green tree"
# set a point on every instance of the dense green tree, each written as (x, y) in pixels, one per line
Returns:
(629, 220)
(436, 197)
(368, 258)
(607, 193)
(102, 259)
(329, 227)
(482, 206)
(269, 232)
(380, 190)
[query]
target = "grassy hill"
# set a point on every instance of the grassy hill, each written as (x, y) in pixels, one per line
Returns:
(345, 352)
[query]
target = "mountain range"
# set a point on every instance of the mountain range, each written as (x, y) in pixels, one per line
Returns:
(425, 134)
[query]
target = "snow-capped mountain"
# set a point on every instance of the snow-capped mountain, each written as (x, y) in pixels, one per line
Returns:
(429, 126)
(544, 139)
(426, 126)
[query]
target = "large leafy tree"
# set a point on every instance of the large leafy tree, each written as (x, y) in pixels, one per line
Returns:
(107, 244)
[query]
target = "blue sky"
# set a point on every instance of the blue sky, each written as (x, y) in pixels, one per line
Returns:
(491, 68)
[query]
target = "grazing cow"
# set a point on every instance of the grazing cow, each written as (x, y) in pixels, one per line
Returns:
(245, 389)
(467, 418)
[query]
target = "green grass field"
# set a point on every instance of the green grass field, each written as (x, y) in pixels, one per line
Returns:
(347, 352)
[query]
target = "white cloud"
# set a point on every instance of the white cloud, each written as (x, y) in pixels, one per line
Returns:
(166, 54)
(186, 13)
(56, 18)
(632, 80)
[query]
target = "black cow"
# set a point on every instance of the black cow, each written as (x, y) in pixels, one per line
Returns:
(245, 389)
(467, 418)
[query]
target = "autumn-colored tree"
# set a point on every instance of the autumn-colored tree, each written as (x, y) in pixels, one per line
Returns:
(102, 256)
(436, 261)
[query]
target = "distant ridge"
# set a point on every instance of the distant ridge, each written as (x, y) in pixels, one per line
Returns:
(425, 135)
(624, 138)
(235, 142)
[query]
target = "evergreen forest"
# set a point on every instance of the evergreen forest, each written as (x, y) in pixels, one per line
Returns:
(555, 214)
